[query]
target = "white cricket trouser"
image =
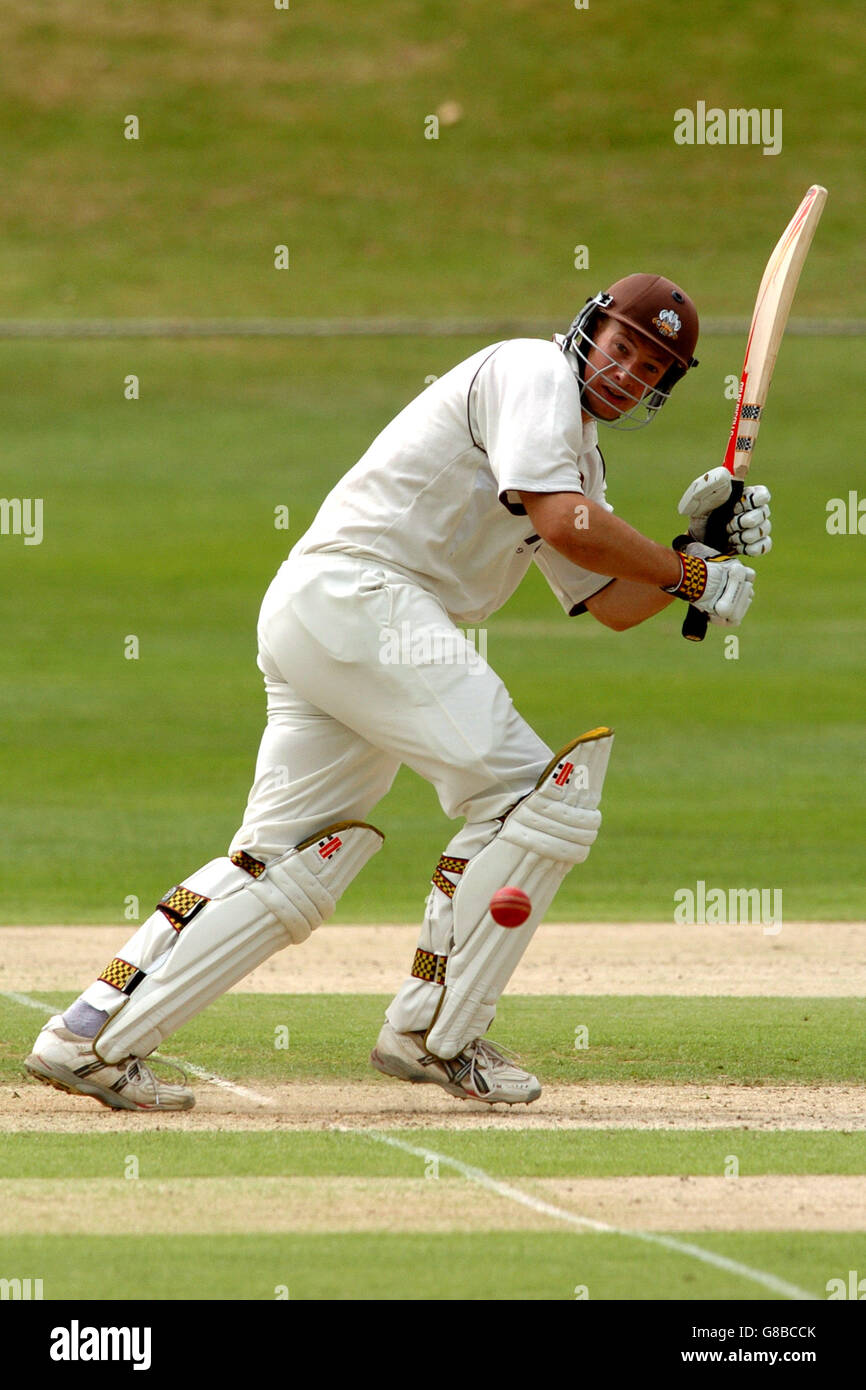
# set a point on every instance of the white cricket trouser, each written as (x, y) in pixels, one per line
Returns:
(364, 670)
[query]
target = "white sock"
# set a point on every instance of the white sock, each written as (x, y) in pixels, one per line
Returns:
(81, 1018)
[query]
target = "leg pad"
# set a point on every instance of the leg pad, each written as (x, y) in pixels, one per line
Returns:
(239, 920)
(549, 831)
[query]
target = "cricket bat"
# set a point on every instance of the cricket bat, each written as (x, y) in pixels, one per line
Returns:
(765, 334)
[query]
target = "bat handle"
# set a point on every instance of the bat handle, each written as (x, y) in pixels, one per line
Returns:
(695, 622)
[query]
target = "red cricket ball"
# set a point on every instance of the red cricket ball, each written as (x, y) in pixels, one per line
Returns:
(510, 907)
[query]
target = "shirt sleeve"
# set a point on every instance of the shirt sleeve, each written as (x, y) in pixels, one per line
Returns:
(571, 584)
(524, 411)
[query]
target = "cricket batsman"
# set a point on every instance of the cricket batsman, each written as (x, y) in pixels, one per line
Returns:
(494, 467)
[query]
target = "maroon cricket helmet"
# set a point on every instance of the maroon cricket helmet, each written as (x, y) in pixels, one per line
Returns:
(660, 311)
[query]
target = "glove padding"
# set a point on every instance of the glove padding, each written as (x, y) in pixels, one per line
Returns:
(750, 526)
(718, 585)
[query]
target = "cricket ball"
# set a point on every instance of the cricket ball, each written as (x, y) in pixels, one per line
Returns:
(510, 907)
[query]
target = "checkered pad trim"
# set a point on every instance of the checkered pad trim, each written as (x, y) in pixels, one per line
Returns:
(451, 865)
(429, 967)
(751, 412)
(255, 867)
(448, 864)
(744, 443)
(694, 580)
(181, 905)
(118, 973)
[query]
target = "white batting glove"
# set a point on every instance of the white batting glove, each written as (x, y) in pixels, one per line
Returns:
(750, 526)
(718, 585)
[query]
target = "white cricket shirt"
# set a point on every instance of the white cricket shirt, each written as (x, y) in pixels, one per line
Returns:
(436, 494)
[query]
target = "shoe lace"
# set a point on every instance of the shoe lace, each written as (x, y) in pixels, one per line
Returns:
(492, 1056)
(496, 1054)
(137, 1069)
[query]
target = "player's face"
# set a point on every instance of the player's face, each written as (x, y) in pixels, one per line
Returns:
(621, 367)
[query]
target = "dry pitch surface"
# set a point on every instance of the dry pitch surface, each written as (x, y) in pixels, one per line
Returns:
(800, 958)
(224, 1206)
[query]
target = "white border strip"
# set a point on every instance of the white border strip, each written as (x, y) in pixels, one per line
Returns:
(514, 1194)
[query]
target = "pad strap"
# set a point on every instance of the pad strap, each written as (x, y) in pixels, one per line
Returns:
(448, 864)
(181, 905)
(254, 867)
(121, 975)
(430, 967)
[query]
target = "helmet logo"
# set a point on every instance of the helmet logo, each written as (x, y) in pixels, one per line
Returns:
(668, 323)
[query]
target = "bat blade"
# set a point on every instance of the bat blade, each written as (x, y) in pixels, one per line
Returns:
(772, 306)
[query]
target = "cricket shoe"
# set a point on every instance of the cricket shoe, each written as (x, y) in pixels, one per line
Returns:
(68, 1062)
(481, 1071)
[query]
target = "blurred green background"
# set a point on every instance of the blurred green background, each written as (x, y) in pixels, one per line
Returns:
(306, 127)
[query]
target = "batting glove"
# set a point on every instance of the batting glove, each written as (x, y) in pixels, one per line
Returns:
(750, 526)
(717, 584)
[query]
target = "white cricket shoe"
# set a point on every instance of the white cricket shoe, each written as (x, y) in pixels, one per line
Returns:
(480, 1072)
(68, 1062)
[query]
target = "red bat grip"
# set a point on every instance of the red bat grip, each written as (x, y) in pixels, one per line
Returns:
(695, 621)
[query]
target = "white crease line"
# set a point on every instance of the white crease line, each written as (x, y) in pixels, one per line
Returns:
(215, 1080)
(27, 1001)
(514, 1194)
(203, 1075)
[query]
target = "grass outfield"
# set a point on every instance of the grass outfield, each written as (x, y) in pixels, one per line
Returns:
(306, 127)
(531, 1265)
(509, 1154)
(689, 1040)
(122, 776)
